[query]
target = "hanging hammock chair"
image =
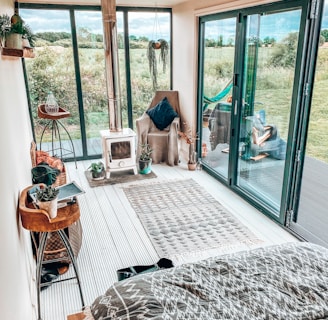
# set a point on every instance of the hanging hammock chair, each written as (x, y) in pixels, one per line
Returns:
(219, 96)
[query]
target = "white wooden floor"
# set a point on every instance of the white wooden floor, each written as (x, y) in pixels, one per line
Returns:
(113, 237)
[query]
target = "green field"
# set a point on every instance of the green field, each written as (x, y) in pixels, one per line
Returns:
(53, 69)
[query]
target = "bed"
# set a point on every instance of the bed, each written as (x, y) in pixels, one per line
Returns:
(288, 281)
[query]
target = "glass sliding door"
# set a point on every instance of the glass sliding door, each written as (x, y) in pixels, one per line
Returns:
(270, 48)
(218, 66)
(310, 218)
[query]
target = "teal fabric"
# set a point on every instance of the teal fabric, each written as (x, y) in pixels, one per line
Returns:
(218, 97)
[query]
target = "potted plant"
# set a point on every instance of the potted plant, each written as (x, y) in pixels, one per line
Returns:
(5, 26)
(97, 170)
(163, 46)
(145, 159)
(18, 34)
(47, 200)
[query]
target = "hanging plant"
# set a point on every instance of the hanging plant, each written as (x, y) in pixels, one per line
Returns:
(153, 46)
(5, 26)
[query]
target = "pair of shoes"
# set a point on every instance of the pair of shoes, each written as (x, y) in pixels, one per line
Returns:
(134, 270)
(47, 276)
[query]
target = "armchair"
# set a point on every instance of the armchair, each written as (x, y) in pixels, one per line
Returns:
(164, 141)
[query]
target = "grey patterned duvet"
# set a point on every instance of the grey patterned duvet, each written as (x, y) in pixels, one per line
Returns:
(284, 282)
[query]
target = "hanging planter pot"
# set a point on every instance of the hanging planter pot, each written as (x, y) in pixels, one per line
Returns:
(156, 45)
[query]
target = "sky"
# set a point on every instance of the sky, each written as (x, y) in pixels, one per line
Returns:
(148, 24)
(156, 25)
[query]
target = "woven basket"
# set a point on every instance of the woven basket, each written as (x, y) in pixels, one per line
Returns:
(55, 248)
(61, 178)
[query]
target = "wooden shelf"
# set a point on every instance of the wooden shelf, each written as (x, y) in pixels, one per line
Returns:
(62, 113)
(19, 53)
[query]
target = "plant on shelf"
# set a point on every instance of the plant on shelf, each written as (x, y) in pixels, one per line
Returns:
(16, 32)
(97, 170)
(163, 46)
(47, 199)
(145, 159)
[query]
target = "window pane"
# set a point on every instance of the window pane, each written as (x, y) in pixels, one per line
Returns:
(53, 70)
(143, 27)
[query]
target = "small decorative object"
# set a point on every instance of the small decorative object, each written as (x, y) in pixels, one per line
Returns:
(97, 170)
(51, 105)
(47, 200)
(190, 139)
(145, 159)
(192, 161)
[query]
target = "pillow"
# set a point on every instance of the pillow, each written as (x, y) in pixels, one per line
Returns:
(162, 114)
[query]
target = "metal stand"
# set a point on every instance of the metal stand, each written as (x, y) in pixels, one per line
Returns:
(54, 125)
(40, 262)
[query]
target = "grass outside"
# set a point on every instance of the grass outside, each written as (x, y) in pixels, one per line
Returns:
(273, 89)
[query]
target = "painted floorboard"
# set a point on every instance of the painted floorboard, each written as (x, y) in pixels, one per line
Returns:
(114, 238)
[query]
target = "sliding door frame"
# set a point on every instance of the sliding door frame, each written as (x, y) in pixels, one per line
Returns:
(301, 83)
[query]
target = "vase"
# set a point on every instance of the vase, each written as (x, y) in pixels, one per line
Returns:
(14, 41)
(145, 166)
(98, 175)
(192, 166)
(50, 207)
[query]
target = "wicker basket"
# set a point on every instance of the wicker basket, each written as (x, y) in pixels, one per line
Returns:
(35, 158)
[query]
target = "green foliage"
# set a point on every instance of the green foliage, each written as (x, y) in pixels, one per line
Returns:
(284, 54)
(152, 58)
(324, 34)
(53, 36)
(96, 167)
(145, 152)
(47, 193)
(5, 26)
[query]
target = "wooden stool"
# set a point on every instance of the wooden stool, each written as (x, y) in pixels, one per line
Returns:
(37, 220)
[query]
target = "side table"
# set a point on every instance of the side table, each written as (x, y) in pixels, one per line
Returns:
(54, 125)
(38, 220)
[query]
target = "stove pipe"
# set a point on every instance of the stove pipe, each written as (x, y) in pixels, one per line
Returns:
(108, 8)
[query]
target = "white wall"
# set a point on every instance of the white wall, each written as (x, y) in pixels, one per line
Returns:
(17, 289)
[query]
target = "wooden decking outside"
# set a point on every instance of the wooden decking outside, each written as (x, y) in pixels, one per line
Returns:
(114, 238)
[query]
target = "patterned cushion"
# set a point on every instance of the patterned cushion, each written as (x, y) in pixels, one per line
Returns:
(162, 114)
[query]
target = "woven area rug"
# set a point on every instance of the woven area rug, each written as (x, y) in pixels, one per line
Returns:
(185, 223)
(118, 177)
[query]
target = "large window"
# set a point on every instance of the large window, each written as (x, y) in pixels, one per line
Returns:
(70, 62)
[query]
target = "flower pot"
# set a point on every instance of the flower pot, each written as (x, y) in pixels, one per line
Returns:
(14, 41)
(50, 207)
(144, 166)
(192, 166)
(98, 175)
(156, 45)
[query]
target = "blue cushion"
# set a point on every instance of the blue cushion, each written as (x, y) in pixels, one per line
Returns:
(162, 114)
